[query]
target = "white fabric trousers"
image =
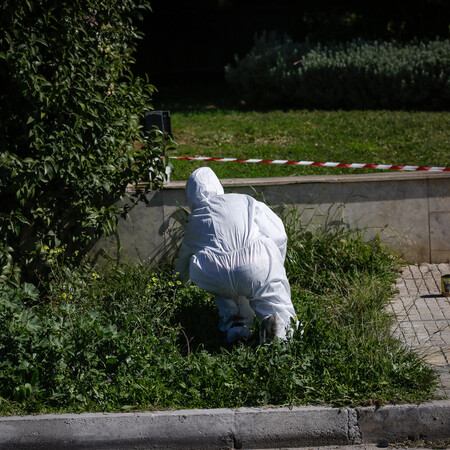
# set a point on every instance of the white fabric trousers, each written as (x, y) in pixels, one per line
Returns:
(248, 281)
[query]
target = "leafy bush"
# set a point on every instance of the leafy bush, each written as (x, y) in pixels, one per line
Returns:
(69, 121)
(356, 74)
(70, 351)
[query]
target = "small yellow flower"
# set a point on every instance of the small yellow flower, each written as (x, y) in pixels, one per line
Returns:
(64, 295)
(171, 284)
(179, 283)
(243, 375)
(76, 252)
(96, 276)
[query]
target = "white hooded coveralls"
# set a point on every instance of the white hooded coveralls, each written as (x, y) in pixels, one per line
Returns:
(234, 247)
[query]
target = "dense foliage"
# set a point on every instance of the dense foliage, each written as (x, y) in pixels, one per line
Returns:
(69, 121)
(356, 74)
(135, 339)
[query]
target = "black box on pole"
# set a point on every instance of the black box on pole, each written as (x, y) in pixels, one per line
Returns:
(159, 120)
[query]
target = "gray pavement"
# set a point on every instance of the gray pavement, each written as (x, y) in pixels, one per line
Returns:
(423, 317)
(423, 323)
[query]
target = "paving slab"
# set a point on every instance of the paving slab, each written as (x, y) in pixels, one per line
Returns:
(423, 317)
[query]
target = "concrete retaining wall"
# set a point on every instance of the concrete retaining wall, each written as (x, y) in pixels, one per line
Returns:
(409, 211)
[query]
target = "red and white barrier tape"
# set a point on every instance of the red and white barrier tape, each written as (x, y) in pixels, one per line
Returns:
(322, 164)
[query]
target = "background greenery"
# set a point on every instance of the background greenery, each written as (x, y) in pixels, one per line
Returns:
(216, 30)
(355, 74)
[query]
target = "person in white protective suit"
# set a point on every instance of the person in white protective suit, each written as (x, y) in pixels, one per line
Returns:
(234, 247)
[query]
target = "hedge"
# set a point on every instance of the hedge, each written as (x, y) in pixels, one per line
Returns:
(356, 74)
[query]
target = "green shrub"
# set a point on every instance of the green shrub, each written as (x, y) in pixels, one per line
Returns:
(69, 122)
(72, 349)
(357, 74)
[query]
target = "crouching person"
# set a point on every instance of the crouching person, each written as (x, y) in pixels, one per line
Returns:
(234, 247)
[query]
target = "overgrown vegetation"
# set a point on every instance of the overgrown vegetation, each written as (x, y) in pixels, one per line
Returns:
(356, 74)
(69, 120)
(134, 339)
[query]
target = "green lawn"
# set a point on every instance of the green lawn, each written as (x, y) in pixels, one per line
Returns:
(372, 137)
(209, 120)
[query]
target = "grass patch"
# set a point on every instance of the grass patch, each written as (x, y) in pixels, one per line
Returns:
(373, 137)
(133, 339)
(209, 120)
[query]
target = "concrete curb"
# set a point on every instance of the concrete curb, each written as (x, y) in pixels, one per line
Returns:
(229, 428)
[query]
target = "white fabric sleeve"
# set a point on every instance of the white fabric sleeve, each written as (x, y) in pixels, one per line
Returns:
(271, 226)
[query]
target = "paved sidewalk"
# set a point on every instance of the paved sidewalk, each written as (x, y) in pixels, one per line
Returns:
(423, 315)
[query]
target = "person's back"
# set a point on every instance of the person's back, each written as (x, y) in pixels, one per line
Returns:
(234, 247)
(224, 223)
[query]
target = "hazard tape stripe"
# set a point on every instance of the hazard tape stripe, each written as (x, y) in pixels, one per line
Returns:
(314, 163)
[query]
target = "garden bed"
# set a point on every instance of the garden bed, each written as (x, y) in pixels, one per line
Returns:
(132, 338)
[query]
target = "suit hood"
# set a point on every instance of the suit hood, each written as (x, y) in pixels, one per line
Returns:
(202, 185)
